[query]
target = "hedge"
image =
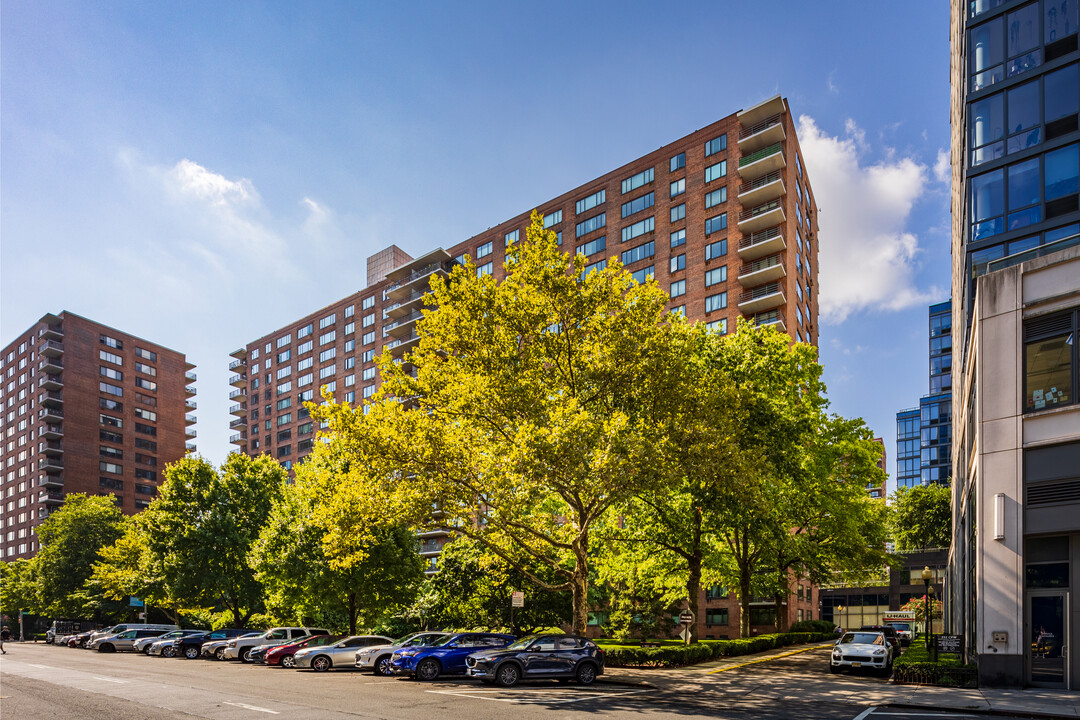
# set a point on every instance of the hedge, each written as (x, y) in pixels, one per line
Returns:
(915, 667)
(673, 656)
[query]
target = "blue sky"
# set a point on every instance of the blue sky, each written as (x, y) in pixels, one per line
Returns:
(192, 172)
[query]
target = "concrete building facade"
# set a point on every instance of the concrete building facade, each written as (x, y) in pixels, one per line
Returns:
(87, 409)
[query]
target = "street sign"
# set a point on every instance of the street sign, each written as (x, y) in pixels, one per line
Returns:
(517, 599)
(949, 644)
(685, 634)
(686, 617)
(135, 602)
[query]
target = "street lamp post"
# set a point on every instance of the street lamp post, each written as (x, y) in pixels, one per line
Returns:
(926, 577)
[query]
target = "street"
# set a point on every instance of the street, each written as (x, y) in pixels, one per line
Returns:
(39, 682)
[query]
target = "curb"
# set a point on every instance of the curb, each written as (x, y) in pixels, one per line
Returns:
(990, 712)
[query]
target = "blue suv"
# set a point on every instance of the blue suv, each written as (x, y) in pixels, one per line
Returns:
(445, 655)
(539, 656)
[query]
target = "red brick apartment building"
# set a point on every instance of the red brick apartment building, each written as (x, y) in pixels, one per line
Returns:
(88, 409)
(724, 219)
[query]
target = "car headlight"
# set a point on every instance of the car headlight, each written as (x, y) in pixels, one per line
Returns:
(879, 652)
(837, 652)
(232, 643)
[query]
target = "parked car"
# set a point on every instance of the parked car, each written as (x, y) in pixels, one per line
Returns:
(377, 657)
(538, 656)
(446, 656)
(340, 654)
(216, 648)
(240, 648)
(861, 649)
(904, 631)
(258, 653)
(123, 641)
(890, 634)
(143, 645)
(124, 627)
(285, 655)
(76, 641)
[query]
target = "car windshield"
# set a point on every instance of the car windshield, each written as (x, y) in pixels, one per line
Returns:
(901, 626)
(863, 638)
(418, 639)
(522, 643)
(321, 640)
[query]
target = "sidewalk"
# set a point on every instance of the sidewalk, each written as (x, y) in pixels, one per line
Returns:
(777, 682)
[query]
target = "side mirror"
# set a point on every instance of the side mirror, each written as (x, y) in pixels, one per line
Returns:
(534, 648)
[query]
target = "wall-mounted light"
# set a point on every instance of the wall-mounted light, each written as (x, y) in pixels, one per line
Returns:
(999, 516)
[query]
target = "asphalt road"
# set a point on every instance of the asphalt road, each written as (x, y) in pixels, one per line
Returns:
(39, 682)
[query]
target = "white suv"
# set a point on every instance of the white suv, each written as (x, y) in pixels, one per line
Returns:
(240, 647)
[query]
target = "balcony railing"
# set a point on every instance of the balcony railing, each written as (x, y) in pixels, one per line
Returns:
(759, 237)
(759, 155)
(759, 210)
(51, 382)
(238, 378)
(49, 463)
(191, 405)
(237, 393)
(190, 419)
(415, 315)
(52, 430)
(49, 480)
(767, 318)
(415, 295)
(415, 274)
(763, 125)
(51, 347)
(51, 365)
(759, 265)
(237, 439)
(238, 408)
(52, 447)
(237, 423)
(51, 496)
(189, 447)
(760, 182)
(47, 413)
(191, 433)
(402, 341)
(51, 397)
(191, 377)
(52, 332)
(759, 292)
(237, 363)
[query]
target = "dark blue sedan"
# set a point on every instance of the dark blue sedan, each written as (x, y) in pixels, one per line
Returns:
(539, 656)
(446, 655)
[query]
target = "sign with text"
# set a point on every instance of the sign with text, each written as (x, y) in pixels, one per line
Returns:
(686, 617)
(949, 644)
(517, 599)
(135, 602)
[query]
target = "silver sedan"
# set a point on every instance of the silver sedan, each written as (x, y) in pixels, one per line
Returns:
(340, 654)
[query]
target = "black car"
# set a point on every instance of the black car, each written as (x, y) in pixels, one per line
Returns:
(890, 634)
(538, 656)
(190, 646)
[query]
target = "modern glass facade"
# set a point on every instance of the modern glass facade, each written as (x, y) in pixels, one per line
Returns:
(908, 452)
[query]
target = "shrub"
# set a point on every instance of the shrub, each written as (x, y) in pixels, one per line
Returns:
(674, 655)
(916, 666)
(813, 626)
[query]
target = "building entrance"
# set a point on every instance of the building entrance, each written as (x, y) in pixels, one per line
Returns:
(1047, 647)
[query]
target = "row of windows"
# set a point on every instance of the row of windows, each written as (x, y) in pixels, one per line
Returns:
(1009, 44)
(1011, 197)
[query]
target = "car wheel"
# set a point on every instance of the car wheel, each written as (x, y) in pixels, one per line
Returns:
(245, 655)
(320, 663)
(219, 654)
(382, 666)
(107, 647)
(288, 661)
(191, 652)
(586, 673)
(508, 675)
(428, 669)
(146, 650)
(834, 669)
(168, 651)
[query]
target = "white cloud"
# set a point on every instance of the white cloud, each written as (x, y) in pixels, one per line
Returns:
(943, 167)
(867, 255)
(195, 181)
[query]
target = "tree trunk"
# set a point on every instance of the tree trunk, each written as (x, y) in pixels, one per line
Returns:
(693, 577)
(744, 599)
(778, 620)
(353, 611)
(580, 583)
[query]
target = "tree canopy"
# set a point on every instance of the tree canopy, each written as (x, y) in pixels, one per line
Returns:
(921, 517)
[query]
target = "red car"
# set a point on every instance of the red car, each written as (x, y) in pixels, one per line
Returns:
(283, 654)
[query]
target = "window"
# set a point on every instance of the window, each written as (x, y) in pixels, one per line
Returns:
(368, 338)
(717, 326)
(716, 171)
(678, 238)
(112, 437)
(146, 384)
(368, 356)
(284, 356)
(145, 354)
(284, 419)
(1061, 99)
(350, 310)
(304, 331)
(327, 371)
(678, 289)
(639, 253)
(111, 421)
(327, 321)
(638, 229)
(368, 303)
(368, 374)
(635, 181)
(350, 345)
(594, 223)
(111, 342)
(111, 467)
(716, 276)
(587, 204)
(678, 262)
(110, 389)
(678, 162)
(284, 388)
(305, 364)
(484, 250)
(328, 337)
(284, 404)
(593, 246)
(328, 354)
(369, 391)
(285, 340)
(305, 347)
(716, 616)
(143, 414)
(110, 452)
(678, 212)
(110, 357)
(553, 218)
(641, 276)
(716, 302)
(716, 197)
(637, 205)
(716, 145)
(598, 266)
(511, 237)
(110, 373)
(146, 459)
(485, 269)
(146, 444)
(715, 250)
(1050, 361)
(678, 187)
(147, 369)
(1062, 172)
(716, 224)
(350, 362)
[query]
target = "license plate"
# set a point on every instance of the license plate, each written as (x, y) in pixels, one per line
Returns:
(858, 664)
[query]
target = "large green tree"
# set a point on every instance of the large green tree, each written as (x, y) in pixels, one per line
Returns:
(921, 517)
(130, 568)
(301, 579)
(202, 526)
(531, 413)
(71, 542)
(18, 591)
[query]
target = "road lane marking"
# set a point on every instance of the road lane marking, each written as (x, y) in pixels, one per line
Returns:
(865, 713)
(928, 713)
(545, 696)
(252, 707)
(768, 659)
(43, 667)
(112, 680)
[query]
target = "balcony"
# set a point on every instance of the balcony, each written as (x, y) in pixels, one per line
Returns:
(761, 217)
(402, 345)
(403, 305)
(190, 377)
(189, 447)
(51, 365)
(191, 433)
(237, 424)
(761, 271)
(51, 463)
(51, 398)
(238, 380)
(759, 114)
(238, 439)
(52, 332)
(190, 391)
(761, 190)
(52, 448)
(237, 363)
(767, 160)
(238, 409)
(760, 299)
(239, 394)
(762, 243)
(51, 348)
(51, 382)
(51, 415)
(51, 481)
(403, 325)
(239, 354)
(762, 134)
(51, 497)
(770, 318)
(51, 431)
(414, 277)
(190, 419)
(191, 405)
